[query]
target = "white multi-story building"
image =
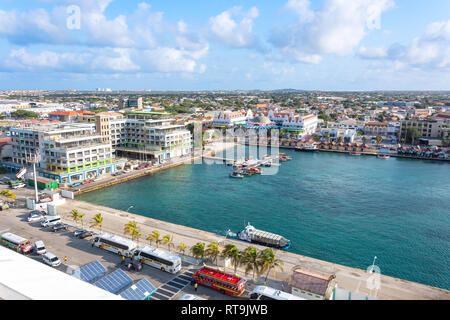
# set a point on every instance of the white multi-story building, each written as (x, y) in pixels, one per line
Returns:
(228, 119)
(68, 152)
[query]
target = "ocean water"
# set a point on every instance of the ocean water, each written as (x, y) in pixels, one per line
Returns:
(335, 207)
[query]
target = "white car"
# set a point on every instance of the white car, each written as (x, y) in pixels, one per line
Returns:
(35, 217)
(39, 247)
(51, 259)
(190, 297)
(19, 185)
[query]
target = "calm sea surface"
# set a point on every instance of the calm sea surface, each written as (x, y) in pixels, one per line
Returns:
(334, 207)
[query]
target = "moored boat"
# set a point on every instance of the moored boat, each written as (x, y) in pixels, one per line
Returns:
(236, 175)
(253, 235)
(310, 148)
(383, 156)
(354, 153)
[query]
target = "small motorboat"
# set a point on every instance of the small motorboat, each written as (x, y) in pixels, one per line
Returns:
(354, 153)
(236, 175)
(383, 156)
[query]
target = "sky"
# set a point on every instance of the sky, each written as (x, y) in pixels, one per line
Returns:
(328, 45)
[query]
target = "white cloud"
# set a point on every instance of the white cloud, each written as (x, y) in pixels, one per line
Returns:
(431, 50)
(337, 28)
(227, 29)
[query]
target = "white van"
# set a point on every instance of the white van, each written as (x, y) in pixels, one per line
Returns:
(50, 221)
(39, 247)
(51, 259)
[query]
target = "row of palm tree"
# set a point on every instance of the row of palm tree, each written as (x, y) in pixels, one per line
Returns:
(97, 221)
(257, 262)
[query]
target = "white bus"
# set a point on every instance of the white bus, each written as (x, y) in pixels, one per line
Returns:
(121, 246)
(158, 258)
(267, 293)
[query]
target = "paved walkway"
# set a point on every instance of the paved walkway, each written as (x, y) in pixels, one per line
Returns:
(353, 279)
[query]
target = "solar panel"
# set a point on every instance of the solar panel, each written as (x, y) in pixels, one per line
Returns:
(114, 282)
(139, 291)
(92, 271)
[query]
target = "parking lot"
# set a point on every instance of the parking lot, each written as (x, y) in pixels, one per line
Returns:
(80, 251)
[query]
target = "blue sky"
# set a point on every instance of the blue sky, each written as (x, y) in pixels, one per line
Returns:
(225, 45)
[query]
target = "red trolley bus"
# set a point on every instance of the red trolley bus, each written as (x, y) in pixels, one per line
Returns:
(221, 281)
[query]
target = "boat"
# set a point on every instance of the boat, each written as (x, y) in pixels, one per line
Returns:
(236, 175)
(310, 148)
(354, 153)
(268, 239)
(383, 156)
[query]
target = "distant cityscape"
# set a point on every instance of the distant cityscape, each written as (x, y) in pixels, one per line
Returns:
(82, 135)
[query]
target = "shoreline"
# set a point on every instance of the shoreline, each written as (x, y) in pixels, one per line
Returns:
(349, 278)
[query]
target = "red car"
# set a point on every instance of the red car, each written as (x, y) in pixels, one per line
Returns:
(87, 181)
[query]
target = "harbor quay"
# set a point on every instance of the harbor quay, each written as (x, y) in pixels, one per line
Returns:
(352, 279)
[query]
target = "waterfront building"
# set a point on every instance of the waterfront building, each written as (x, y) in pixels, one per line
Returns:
(229, 119)
(69, 152)
(376, 128)
(428, 128)
(144, 137)
(347, 135)
(311, 286)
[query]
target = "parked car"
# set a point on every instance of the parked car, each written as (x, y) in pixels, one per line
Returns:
(34, 217)
(85, 234)
(50, 221)
(118, 173)
(39, 247)
(87, 181)
(18, 185)
(77, 232)
(51, 259)
(59, 226)
(76, 184)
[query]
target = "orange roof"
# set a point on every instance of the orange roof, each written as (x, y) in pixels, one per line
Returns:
(63, 113)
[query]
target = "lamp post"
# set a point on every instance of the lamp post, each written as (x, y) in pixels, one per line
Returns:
(373, 264)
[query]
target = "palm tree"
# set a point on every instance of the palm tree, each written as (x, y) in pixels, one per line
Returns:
(232, 252)
(136, 234)
(182, 247)
(364, 139)
(250, 259)
(379, 139)
(213, 251)
(75, 215)
(130, 227)
(154, 236)
(80, 218)
(269, 262)
(97, 221)
(340, 139)
(328, 137)
(168, 240)
(198, 250)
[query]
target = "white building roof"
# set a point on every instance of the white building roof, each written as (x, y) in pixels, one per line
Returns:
(24, 278)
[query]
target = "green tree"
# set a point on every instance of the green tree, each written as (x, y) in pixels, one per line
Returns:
(97, 221)
(232, 252)
(412, 134)
(182, 248)
(198, 250)
(136, 234)
(155, 235)
(251, 261)
(24, 114)
(213, 251)
(269, 262)
(168, 241)
(130, 227)
(75, 215)
(378, 140)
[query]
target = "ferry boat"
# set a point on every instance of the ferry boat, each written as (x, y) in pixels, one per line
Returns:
(253, 235)
(310, 148)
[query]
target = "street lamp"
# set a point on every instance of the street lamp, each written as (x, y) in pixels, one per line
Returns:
(373, 264)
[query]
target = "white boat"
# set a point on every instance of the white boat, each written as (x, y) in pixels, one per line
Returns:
(236, 175)
(253, 235)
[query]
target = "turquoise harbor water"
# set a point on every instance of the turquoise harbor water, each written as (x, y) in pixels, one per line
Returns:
(334, 207)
